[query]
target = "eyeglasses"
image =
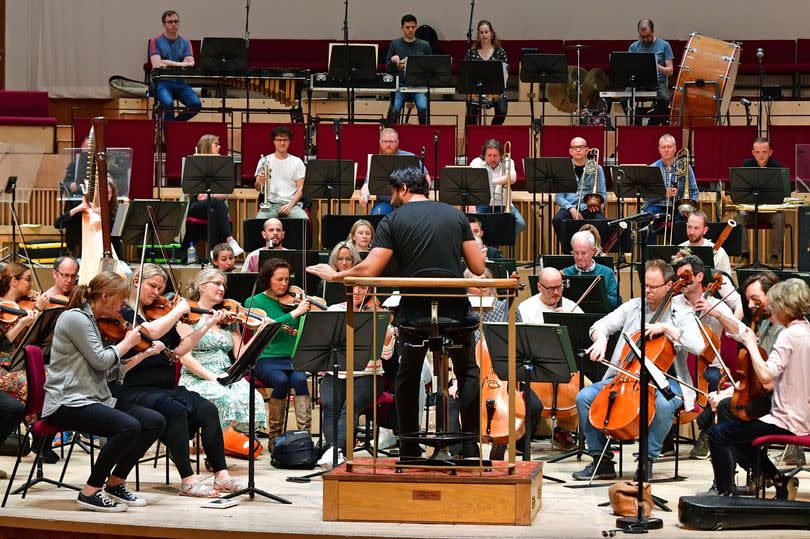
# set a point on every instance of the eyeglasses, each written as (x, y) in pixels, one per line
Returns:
(67, 276)
(653, 286)
(172, 21)
(578, 148)
(552, 288)
(281, 139)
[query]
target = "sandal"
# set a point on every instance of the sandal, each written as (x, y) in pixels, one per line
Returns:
(198, 490)
(230, 485)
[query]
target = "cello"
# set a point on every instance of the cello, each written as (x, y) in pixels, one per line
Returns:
(495, 402)
(616, 409)
(749, 388)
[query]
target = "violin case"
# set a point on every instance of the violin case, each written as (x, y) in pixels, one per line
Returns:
(732, 512)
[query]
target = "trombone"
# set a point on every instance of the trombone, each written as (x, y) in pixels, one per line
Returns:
(683, 206)
(593, 200)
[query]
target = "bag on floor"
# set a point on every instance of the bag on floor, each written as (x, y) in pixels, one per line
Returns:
(624, 498)
(294, 450)
(238, 444)
(11, 445)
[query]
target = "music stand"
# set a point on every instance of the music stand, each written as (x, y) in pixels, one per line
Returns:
(635, 70)
(597, 299)
(209, 175)
(298, 260)
(240, 286)
(430, 71)
(246, 366)
(350, 63)
(548, 175)
(383, 166)
(543, 354)
(480, 78)
(39, 334)
(329, 179)
(223, 55)
(464, 186)
(322, 347)
(542, 69)
(758, 185)
(169, 218)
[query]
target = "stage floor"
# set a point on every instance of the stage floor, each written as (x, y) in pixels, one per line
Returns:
(565, 512)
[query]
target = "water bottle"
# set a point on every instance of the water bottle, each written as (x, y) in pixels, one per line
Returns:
(191, 257)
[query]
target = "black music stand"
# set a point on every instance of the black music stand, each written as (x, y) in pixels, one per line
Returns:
(758, 185)
(336, 228)
(241, 286)
(208, 175)
(464, 186)
(383, 166)
(548, 175)
(430, 71)
(246, 366)
(480, 78)
(298, 260)
(169, 218)
(543, 354)
(499, 228)
(322, 347)
(223, 55)
(542, 69)
(634, 70)
(595, 302)
(352, 63)
(330, 179)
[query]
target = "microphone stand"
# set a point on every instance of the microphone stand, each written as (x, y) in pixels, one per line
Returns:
(436, 165)
(247, 48)
(469, 27)
(760, 56)
(337, 142)
(349, 89)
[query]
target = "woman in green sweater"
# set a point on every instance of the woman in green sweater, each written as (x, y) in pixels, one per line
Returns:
(274, 367)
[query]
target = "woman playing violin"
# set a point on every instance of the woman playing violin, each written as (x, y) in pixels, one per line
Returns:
(274, 367)
(78, 398)
(209, 358)
(153, 384)
(787, 371)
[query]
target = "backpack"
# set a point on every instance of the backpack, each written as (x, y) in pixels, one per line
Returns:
(294, 450)
(427, 33)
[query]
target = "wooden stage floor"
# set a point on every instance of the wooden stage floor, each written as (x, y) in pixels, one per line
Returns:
(53, 513)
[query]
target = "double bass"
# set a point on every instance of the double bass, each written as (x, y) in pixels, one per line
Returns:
(616, 409)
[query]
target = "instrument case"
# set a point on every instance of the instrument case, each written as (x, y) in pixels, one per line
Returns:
(732, 512)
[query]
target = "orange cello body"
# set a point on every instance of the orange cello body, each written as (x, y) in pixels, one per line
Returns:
(566, 402)
(495, 402)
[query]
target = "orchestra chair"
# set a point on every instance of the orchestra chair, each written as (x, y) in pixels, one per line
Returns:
(520, 136)
(716, 147)
(763, 227)
(358, 140)
(372, 429)
(197, 233)
(639, 143)
(35, 374)
(763, 443)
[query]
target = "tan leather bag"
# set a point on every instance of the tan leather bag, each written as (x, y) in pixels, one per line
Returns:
(623, 498)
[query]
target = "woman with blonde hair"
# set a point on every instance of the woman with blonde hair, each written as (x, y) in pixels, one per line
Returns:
(361, 235)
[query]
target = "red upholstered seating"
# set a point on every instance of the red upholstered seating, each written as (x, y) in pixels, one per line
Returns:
(718, 147)
(181, 140)
(136, 134)
(24, 108)
(256, 141)
(780, 56)
(413, 138)
(518, 135)
(357, 141)
(784, 139)
(638, 144)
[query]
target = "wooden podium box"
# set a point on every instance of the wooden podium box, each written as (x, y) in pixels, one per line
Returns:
(436, 497)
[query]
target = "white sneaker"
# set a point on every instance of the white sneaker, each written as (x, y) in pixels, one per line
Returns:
(237, 250)
(327, 458)
(386, 438)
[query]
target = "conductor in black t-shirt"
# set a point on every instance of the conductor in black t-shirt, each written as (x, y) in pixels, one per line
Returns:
(423, 238)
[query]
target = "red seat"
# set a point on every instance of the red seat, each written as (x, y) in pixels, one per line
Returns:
(414, 137)
(718, 147)
(764, 442)
(256, 142)
(24, 108)
(780, 56)
(181, 141)
(638, 144)
(357, 142)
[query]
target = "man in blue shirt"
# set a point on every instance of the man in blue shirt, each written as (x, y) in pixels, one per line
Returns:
(647, 42)
(578, 150)
(170, 49)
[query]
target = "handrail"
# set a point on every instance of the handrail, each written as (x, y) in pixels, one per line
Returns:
(431, 282)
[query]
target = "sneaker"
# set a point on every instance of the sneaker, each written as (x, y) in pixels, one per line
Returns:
(100, 502)
(327, 458)
(237, 250)
(563, 439)
(649, 473)
(606, 470)
(793, 456)
(386, 438)
(701, 449)
(712, 490)
(120, 493)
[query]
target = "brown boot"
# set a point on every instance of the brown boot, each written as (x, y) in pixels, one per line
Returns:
(303, 412)
(275, 420)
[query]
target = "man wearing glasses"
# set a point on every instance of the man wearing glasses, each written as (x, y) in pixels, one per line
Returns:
(170, 49)
(548, 299)
(65, 277)
(285, 174)
(678, 324)
(572, 205)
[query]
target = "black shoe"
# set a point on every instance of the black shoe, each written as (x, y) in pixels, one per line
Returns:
(668, 445)
(563, 439)
(786, 487)
(100, 502)
(120, 493)
(49, 456)
(606, 470)
(701, 449)
(649, 473)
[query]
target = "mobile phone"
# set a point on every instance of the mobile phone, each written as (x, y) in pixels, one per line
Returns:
(220, 503)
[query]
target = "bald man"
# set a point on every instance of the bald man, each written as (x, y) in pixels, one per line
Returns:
(273, 234)
(572, 205)
(549, 299)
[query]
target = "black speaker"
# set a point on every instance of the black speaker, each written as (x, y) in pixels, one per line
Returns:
(804, 238)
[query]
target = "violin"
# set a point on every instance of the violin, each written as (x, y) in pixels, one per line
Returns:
(235, 312)
(293, 297)
(616, 409)
(115, 329)
(749, 388)
(10, 312)
(164, 304)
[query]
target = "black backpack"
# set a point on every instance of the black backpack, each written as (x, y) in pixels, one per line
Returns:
(427, 33)
(294, 450)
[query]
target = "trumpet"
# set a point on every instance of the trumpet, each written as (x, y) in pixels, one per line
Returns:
(265, 170)
(593, 200)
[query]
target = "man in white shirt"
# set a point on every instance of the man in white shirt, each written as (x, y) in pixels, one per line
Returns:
(548, 299)
(285, 174)
(273, 234)
(491, 160)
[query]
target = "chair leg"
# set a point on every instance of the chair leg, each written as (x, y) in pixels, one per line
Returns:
(14, 471)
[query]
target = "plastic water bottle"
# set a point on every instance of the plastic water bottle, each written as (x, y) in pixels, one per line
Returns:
(192, 254)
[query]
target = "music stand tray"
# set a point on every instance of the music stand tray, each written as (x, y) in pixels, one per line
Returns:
(169, 218)
(543, 68)
(428, 70)
(204, 174)
(550, 175)
(223, 55)
(382, 166)
(298, 260)
(759, 185)
(329, 178)
(464, 186)
(597, 299)
(638, 181)
(40, 334)
(633, 70)
(479, 77)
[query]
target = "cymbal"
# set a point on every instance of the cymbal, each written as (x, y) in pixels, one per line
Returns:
(577, 46)
(564, 95)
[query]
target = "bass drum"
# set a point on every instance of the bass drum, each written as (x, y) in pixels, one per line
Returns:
(708, 70)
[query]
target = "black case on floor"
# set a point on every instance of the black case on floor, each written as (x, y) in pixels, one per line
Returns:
(729, 513)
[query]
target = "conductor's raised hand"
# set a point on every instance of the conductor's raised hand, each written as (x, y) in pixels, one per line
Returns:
(324, 271)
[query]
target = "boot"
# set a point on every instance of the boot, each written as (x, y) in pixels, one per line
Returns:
(275, 420)
(303, 412)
